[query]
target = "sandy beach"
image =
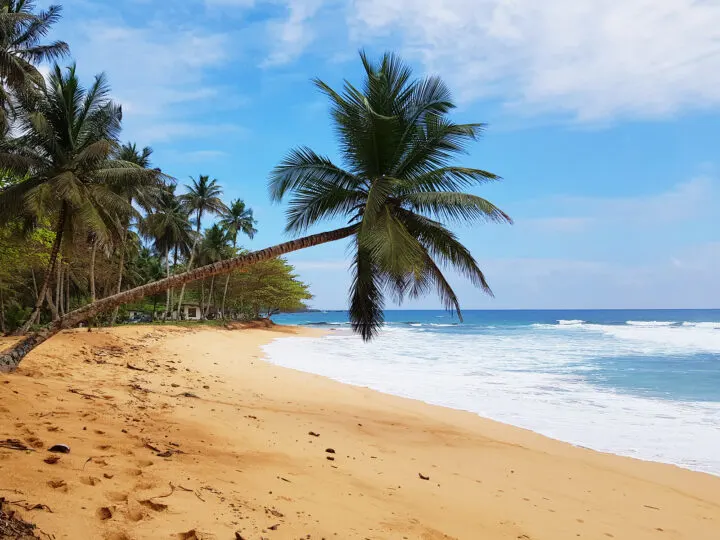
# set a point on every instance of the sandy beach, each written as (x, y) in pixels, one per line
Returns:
(187, 433)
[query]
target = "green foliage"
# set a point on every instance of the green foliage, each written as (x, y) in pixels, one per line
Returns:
(267, 288)
(398, 185)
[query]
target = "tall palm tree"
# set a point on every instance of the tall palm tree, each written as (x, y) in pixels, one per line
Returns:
(144, 195)
(22, 48)
(398, 186)
(215, 246)
(236, 219)
(202, 198)
(67, 136)
(168, 227)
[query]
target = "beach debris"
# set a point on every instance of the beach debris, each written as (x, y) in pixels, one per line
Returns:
(330, 458)
(134, 368)
(83, 394)
(239, 536)
(330, 450)
(423, 477)
(56, 484)
(313, 434)
(187, 394)
(14, 444)
(274, 512)
(108, 476)
(11, 526)
(157, 507)
(51, 460)
(189, 535)
(274, 527)
(651, 507)
(59, 449)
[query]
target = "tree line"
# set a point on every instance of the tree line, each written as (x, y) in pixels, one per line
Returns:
(67, 181)
(84, 216)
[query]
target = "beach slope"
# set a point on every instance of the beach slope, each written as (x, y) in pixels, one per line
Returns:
(187, 433)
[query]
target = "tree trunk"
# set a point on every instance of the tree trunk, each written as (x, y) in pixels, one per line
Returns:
(35, 289)
(52, 306)
(61, 289)
(211, 303)
(227, 280)
(121, 269)
(10, 358)
(67, 287)
(167, 291)
(202, 300)
(48, 273)
(58, 287)
(91, 277)
(172, 289)
(192, 259)
(2, 310)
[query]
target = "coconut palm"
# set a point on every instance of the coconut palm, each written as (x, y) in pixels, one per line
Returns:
(236, 219)
(22, 48)
(169, 229)
(65, 147)
(396, 192)
(144, 195)
(215, 246)
(202, 198)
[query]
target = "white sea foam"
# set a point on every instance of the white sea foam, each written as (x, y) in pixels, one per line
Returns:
(650, 324)
(572, 322)
(533, 379)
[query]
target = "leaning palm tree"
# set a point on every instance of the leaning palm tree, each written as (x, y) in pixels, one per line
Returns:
(21, 49)
(67, 136)
(202, 198)
(397, 191)
(236, 219)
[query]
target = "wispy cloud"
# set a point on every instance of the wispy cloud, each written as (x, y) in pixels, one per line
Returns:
(158, 73)
(595, 59)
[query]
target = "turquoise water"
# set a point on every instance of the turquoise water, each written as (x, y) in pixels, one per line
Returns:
(644, 383)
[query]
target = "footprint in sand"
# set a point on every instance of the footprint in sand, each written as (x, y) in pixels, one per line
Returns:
(134, 472)
(105, 512)
(90, 480)
(117, 536)
(144, 463)
(59, 485)
(117, 496)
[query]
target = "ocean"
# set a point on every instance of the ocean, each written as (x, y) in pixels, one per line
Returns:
(640, 383)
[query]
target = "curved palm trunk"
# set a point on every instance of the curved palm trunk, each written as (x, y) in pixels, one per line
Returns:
(10, 358)
(48, 273)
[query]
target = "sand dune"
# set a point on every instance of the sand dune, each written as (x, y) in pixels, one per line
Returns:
(187, 433)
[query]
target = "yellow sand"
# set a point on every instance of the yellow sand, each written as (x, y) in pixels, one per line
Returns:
(242, 463)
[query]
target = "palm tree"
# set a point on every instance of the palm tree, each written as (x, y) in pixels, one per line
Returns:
(168, 227)
(142, 194)
(67, 136)
(21, 49)
(202, 198)
(397, 188)
(236, 219)
(215, 247)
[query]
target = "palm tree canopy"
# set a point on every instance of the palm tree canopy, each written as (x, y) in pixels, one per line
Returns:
(168, 226)
(398, 186)
(215, 245)
(65, 149)
(203, 197)
(129, 152)
(21, 46)
(238, 218)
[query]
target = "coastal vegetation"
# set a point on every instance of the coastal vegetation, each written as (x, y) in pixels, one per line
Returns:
(90, 231)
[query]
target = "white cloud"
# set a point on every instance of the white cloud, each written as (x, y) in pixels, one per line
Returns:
(290, 37)
(593, 59)
(157, 73)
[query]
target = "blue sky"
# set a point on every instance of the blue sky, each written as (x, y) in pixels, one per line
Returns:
(604, 123)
